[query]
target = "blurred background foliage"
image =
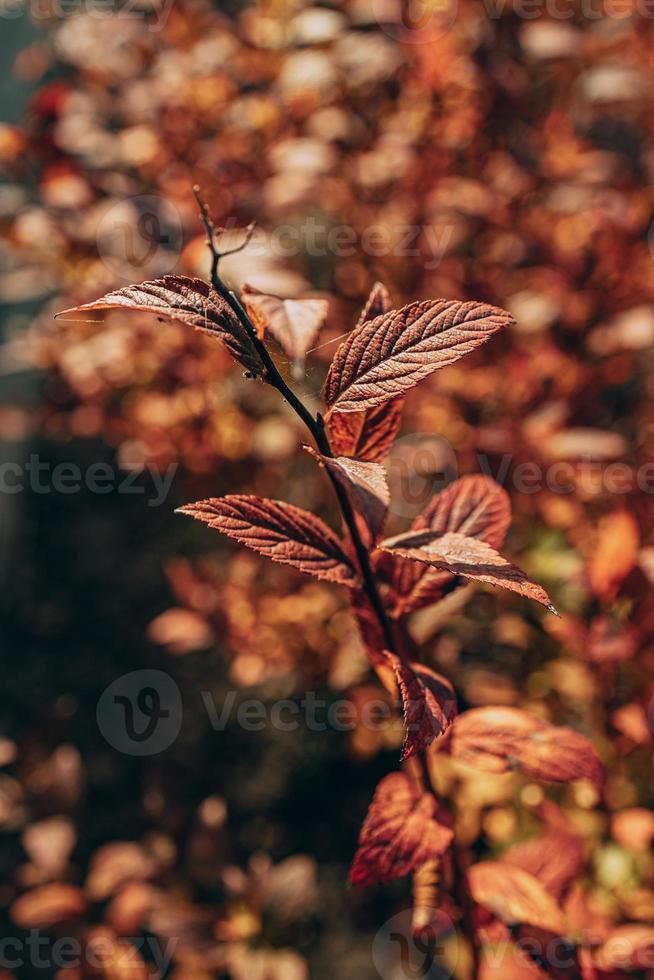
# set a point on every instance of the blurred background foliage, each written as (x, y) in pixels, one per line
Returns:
(505, 158)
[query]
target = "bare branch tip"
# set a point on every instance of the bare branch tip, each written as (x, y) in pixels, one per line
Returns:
(248, 232)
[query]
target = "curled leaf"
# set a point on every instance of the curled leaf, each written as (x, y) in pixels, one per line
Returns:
(474, 505)
(501, 739)
(515, 896)
(282, 532)
(365, 484)
(386, 356)
(469, 557)
(404, 828)
(294, 323)
(190, 301)
(428, 703)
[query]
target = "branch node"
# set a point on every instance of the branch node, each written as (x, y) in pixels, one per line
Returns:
(213, 232)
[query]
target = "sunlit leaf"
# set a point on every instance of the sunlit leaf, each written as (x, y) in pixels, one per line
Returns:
(474, 505)
(469, 557)
(190, 301)
(387, 356)
(282, 532)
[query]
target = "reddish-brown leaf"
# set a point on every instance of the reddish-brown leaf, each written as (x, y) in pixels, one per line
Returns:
(555, 859)
(502, 739)
(379, 301)
(190, 301)
(282, 532)
(515, 896)
(615, 553)
(412, 585)
(629, 947)
(387, 356)
(372, 634)
(366, 486)
(404, 828)
(469, 557)
(428, 704)
(474, 505)
(294, 323)
(367, 435)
